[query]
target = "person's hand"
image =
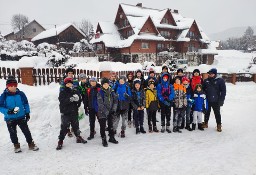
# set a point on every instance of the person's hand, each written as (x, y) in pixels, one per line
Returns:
(76, 97)
(72, 99)
(138, 108)
(142, 107)
(27, 117)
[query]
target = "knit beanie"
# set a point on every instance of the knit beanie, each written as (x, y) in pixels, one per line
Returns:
(104, 80)
(196, 70)
(11, 81)
(68, 80)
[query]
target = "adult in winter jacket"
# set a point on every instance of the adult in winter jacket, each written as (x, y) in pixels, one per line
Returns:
(138, 103)
(130, 78)
(112, 79)
(15, 108)
(70, 100)
(200, 106)
(124, 93)
(215, 89)
(165, 94)
(151, 98)
(107, 102)
(139, 75)
(91, 104)
(180, 104)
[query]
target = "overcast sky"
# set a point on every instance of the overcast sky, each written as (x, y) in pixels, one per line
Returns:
(212, 15)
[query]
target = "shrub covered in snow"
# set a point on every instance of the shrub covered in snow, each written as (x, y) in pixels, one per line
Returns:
(82, 46)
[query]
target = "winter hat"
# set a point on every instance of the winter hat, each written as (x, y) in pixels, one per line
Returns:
(82, 76)
(185, 79)
(70, 69)
(179, 71)
(196, 70)
(136, 80)
(93, 79)
(166, 76)
(151, 82)
(68, 80)
(164, 67)
(104, 80)
(212, 71)
(123, 77)
(11, 81)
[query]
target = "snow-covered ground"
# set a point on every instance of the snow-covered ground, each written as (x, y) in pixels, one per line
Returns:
(199, 152)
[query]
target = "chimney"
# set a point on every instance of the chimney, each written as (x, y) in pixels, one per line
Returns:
(139, 5)
(176, 11)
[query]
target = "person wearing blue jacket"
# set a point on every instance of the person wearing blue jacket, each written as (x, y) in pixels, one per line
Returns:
(200, 106)
(215, 90)
(15, 107)
(124, 94)
(165, 93)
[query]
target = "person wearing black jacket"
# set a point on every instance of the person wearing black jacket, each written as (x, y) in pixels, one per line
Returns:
(130, 78)
(215, 89)
(70, 100)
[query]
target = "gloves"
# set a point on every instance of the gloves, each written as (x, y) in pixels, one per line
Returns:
(13, 111)
(166, 103)
(191, 100)
(27, 117)
(75, 97)
(221, 103)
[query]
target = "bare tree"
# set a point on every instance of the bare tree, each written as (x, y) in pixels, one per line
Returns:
(87, 28)
(19, 21)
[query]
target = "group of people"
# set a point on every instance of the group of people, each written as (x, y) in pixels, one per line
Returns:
(125, 98)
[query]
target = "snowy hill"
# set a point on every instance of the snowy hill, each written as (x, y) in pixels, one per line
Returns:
(199, 152)
(229, 33)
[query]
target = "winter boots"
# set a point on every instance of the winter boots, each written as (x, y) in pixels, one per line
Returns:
(168, 129)
(122, 134)
(150, 129)
(60, 144)
(163, 129)
(113, 140)
(193, 126)
(200, 127)
(17, 148)
(188, 127)
(155, 129)
(91, 136)
(219, 128)
(205, 124)
(32, 146)
(80, 139)
(104, 142)
(176, 129)
(142, 130)
(137, 130)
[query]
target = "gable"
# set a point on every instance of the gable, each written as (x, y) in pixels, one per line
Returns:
(149, 27)
(99, 30)
(194, 32)
(168, 19)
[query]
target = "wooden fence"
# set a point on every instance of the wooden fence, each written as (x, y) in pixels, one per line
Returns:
(45, 76)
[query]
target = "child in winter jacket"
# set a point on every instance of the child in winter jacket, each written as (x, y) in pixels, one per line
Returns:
(15, 107)
(200, 106)
(180, 104)
(151, 105)
(107, 102)
(91, 104)
(70, 101)
(124, 93)
(83, 86)
(138, 103)
(165, 94)
(185, 82)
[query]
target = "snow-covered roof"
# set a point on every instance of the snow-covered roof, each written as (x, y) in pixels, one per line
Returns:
(54, 31)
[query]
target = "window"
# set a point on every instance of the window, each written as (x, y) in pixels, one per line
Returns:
(129, 33)
(99, 47)
(165, 21)
(145, 45)
(125, 23)
(160, 46)
(165, 33)
(191, 35)
(192, 48)
(34, 29)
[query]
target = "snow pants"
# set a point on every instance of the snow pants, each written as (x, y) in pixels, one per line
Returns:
(66, 120)
(197, 117)
(178, 115)
(103, 122)
(116, 119)
(165, 114)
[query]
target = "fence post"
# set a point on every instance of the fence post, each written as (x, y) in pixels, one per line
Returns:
(26, 74)
(254, 78)
(233, 79)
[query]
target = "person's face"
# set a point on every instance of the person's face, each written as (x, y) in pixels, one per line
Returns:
(185, 83)
(165, 79)
(165, 70)
(211, 75)
(70, 74)
(151, 86)
(152, 75)
(83, 80)
(177, 81)
(113, 77)
(93, 83)
(69, 85)
(198, 89)
(121, 81)
(138, 74)
(130, 77)
(180, 74)
(105, 85)
(137, 86)
(196, 74)
(12, 88)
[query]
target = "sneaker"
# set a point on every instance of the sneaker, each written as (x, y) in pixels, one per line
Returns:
(32, 146)
(60, 144)
(17, 148)
(80, 139)
(113, 140)
(122, 134)
(219, 127)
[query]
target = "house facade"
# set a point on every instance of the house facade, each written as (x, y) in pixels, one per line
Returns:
(64, 36)
(141, 34)
(29, 31)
